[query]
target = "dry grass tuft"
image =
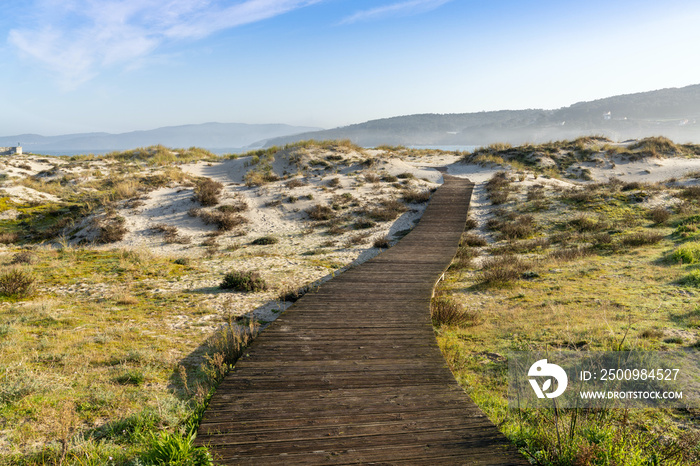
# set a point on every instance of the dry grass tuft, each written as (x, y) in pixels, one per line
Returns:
(416, 197)
(659, 215)
(382, 243)
(445, 311)
(16, 283)
(502, 270)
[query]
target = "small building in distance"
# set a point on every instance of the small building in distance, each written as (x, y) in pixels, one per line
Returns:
(17, 150)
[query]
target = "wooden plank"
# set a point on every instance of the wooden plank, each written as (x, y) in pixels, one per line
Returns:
(351, 373)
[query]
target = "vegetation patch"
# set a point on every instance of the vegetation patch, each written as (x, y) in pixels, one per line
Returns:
(265, 240)
(243, 281)
(320, 212)
(416, 197)
(503, 270)
(224, 221)
(686, 254)
(207, 192)
(16, 283)
(446, 311)
(692, 279)
(110, 229)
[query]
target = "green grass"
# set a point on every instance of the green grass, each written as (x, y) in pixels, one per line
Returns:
(603, 280)
(686, 254)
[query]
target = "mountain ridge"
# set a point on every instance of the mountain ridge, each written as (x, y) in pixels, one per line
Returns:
(210, 135)
(672, 112)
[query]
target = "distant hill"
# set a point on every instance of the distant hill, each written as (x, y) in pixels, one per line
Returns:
(217, 137)
(674, 113)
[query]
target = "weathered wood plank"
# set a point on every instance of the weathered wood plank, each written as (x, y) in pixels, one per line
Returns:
(351, 373)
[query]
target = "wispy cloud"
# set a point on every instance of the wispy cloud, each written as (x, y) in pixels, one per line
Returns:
(76, 39)
(407, 8)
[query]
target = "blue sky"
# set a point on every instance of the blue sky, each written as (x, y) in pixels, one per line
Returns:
(120, 65)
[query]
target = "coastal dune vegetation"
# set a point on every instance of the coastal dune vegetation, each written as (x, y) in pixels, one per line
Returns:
(132, 281)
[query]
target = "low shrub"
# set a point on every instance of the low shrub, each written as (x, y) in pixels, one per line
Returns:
(320, 212)
(265, 240)
(514, 226)
(471, 223)
(521, 247)
(652, 333)
(207, 192)
(578, 196)
(473, 240)
(363, 224)
(16, 283)
(224, 221)
(243, 281)
(498, 188)
(23, 257)
(659, 215)
(535, 192)
(111, 230)
(357, 239)
(381, 243)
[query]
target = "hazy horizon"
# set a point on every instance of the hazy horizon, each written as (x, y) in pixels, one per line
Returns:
(117, 66)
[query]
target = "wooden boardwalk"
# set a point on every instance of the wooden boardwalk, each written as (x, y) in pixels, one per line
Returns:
(352, 373)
